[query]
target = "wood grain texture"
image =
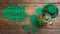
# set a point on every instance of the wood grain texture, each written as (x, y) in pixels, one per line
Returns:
(30, 9)
(29, 1)
(17, 27)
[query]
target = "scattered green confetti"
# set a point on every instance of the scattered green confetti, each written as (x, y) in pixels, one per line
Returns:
(26, 27)
(33, 20)
(34, 30)
(39, 11)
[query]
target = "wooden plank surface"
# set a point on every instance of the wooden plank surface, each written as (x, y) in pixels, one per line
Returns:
(29, 1)
(30, 11)
(17, 28)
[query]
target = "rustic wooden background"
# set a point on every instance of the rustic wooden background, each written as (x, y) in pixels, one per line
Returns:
(17, 28)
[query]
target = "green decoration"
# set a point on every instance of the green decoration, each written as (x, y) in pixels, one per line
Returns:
(33, 20)
(39, 11)
(41, 24)
(34, 30)
(44, 9)
(52, 9)
(15, 13)
(26, 27)
(5, 13)
(54, 15)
